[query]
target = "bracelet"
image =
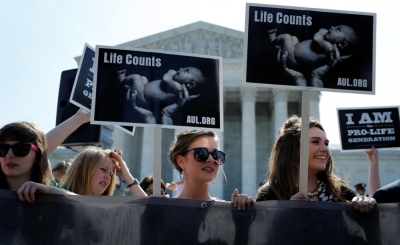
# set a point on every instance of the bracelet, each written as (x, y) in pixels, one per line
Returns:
(135, 182)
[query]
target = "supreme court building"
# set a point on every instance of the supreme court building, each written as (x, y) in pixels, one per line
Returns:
(252, 117)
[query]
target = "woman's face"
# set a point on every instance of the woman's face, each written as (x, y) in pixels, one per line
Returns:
(318, 152)
(201, 172)
(102, 176)
(17, 167)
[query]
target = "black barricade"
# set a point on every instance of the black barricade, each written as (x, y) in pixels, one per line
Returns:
(55, 219)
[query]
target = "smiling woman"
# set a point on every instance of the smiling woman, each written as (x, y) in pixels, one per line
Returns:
(284, 162)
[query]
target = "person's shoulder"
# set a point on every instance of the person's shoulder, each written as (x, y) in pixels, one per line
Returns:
(389, 193)
(347, 192)
(265, 193)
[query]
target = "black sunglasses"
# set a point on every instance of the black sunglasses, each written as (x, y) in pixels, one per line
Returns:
(201, 155)
(19, 149)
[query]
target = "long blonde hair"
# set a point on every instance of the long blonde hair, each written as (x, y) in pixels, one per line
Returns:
(80, 174)
(284, 162)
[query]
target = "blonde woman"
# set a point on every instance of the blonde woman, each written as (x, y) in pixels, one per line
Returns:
(92, 173)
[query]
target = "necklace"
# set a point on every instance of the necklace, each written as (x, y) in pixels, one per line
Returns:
(317, 190)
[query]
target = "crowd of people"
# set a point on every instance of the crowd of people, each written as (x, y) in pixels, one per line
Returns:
(195, 154)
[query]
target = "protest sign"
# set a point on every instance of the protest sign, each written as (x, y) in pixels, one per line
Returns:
(136, 87)
(81, 94)
(298, 48)
(363, 128)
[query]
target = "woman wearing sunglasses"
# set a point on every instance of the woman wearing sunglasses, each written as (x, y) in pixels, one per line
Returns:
(196, 156)
(23, 156)
(24, 149)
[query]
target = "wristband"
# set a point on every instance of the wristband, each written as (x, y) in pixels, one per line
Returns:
(135, 182)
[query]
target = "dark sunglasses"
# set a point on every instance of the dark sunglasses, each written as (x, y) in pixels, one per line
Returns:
(19, 149)
(201, 155)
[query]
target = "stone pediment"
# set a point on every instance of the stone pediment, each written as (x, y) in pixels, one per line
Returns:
(197, 38)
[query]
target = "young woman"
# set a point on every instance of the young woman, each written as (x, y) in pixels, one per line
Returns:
(92, 173)
(196, 155)
(24, 149)
(323, 185)
(23, 156)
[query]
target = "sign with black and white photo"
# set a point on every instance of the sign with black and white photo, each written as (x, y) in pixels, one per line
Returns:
(363, 128)
(317, 49)
(137, 87)
(81, 94)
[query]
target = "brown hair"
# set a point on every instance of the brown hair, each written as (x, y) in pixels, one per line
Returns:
(80, 174)
(62, 166)
(26, 132)
(183, 140)
(148, 180)
(284, 162)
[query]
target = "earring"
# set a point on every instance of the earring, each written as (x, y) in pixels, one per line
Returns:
(183, 174)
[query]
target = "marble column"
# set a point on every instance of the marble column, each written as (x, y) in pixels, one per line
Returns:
(314, 104)
(280, 108)
(249, 177)
(146, 166)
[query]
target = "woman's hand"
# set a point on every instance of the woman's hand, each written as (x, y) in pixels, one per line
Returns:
(121, 167)
(123, 170)
(82, 115)
(26, 192)
(372, 156)
(364, 204)
(240, 200)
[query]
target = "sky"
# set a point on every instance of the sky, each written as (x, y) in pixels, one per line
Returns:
(39, 40)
